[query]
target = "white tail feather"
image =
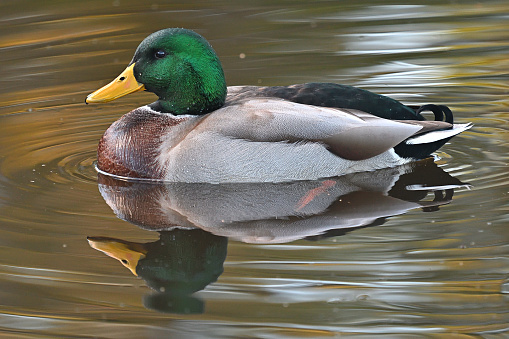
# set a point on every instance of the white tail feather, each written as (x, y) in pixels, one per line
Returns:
(433, 136)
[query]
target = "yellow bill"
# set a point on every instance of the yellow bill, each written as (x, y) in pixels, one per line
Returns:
(128, 253)
(124, 84)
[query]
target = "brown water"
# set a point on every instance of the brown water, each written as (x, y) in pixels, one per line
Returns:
(271, 261)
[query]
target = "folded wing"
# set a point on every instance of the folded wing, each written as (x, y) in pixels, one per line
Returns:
(349, 134)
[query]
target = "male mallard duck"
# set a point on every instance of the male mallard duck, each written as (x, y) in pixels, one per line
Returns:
(202, 131)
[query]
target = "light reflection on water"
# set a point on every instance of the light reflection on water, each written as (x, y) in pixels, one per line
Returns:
(416, 272)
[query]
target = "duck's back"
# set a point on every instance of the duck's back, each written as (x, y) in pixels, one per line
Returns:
(330, 95)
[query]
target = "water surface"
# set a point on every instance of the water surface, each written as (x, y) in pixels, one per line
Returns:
(267, 261)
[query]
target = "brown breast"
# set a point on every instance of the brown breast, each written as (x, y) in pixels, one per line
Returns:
(130, 146)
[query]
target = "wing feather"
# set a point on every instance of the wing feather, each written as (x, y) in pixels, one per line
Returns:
(347, 133)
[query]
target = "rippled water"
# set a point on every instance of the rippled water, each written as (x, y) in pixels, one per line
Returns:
(419, 251)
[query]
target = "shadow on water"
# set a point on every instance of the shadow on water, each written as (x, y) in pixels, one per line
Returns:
(195, 221)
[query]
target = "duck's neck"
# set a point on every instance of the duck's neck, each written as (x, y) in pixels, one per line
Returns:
(194, 92)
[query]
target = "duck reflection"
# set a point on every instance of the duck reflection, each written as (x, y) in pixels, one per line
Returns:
(195, 220)
(180, 263)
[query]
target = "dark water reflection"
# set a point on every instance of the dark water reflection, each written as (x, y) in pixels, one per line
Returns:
(299, 262)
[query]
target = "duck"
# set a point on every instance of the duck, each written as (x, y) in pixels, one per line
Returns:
(202, 131)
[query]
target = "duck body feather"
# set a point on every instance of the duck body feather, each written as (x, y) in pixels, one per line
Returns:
(254, 138)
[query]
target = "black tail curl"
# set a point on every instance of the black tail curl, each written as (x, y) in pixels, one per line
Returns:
(439, 111)
(421, 151)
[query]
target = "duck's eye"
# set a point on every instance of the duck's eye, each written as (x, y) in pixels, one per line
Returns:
(160, 54)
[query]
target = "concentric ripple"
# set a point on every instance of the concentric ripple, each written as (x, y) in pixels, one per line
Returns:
(44, 147)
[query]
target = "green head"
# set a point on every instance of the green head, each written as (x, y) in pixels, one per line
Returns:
(180, 67)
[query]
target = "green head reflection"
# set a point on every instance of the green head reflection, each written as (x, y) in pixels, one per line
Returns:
(178, 264)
